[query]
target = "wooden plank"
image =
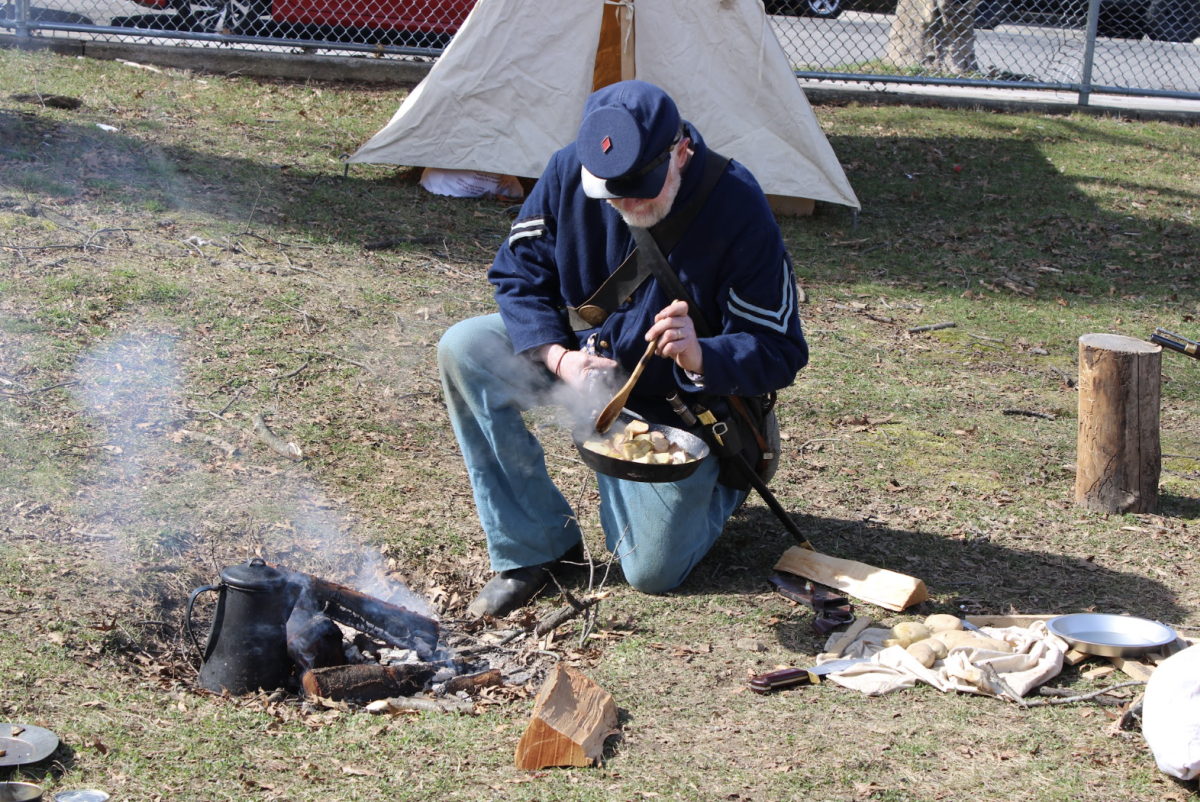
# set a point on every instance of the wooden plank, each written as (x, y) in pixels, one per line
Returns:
(888, 589)
(1074, 657)
(1001, 621)
(572, 716)
(1100, 672)
(1133, 668)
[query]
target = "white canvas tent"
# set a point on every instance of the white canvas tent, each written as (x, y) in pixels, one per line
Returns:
(510, 88)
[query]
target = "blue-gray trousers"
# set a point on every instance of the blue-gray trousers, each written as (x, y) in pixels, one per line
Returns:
(659, 531)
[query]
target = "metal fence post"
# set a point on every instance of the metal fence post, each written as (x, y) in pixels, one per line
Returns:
(1089, 52)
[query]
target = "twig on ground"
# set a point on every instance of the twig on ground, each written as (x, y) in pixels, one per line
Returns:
(229, 448)
(1062, 374)
(807, 443)
(95, 234)
(385, 244)
(1028, 413)
(1183, 456)
(1086, 697)
(932, 327)
(37, 390)
(988, 339)
(367, 368)
(1133, 711)
(274, 441)
(231, 401)
(292, 373)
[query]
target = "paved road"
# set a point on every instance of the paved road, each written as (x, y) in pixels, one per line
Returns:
(1045, 54)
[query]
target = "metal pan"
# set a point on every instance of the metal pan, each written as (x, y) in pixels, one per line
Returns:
(636, 471)
(29, 744)
(1111, 635)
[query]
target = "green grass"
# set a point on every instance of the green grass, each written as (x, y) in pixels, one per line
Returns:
(168, 269)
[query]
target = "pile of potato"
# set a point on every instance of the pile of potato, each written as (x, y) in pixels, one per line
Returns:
(638, 444)
(940, 633)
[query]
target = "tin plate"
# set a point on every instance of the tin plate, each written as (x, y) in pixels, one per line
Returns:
(28, 744)
(1111, 635)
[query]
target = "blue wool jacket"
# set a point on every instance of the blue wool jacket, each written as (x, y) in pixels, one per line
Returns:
(732, 260)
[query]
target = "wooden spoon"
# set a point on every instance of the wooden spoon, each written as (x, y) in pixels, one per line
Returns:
(613, 410)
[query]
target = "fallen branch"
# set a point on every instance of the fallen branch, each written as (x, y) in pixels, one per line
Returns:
(878, 318)
(274, 441)
(1062, 374)
(981, 337)
(1086, 697)
(1132, 712)
(933, 327)
(1029, 413)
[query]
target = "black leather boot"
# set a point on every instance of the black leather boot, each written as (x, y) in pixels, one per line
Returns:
(510, 590)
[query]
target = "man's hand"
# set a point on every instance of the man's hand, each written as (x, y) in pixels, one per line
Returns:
(679, 341)
(576, 368)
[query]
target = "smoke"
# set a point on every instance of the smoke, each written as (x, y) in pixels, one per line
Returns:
(159, 501)
(531, 385)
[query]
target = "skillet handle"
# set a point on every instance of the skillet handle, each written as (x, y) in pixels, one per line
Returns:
(187, 621)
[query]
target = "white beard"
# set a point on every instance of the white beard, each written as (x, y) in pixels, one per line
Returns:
(650, 213)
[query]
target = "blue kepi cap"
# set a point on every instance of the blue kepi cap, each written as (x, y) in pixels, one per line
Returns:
(625, 140)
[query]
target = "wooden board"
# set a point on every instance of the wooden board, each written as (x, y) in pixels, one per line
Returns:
(1074, 657)
(888, 589)
(572, 716)
(1133, 669)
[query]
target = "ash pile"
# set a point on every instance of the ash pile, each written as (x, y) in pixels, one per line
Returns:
(278, 629)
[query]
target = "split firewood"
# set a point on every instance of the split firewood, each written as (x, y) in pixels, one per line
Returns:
(888, 589)
(572, 717)
(274, 441)
(366, 682)
(400, 704)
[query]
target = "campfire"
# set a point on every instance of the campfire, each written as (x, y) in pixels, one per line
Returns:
(277, 628)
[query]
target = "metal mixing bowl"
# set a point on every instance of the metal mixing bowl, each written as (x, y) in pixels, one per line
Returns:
(19, 792)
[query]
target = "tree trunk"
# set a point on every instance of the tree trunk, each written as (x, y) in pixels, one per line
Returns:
(936, 35)
(1119, 457)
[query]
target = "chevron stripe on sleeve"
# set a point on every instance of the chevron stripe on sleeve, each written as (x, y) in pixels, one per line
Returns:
(774, 319)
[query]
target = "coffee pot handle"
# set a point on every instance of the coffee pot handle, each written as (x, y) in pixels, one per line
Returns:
(188, 620)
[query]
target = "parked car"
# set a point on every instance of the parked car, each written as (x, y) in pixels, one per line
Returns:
(417, 23)
(986, 12)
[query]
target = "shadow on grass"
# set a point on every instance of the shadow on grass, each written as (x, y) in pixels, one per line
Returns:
(974, 576)
(985, 203)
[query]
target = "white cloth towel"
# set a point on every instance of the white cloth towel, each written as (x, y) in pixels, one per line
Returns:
(1037, 656)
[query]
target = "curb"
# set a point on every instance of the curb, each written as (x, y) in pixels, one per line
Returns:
(818, 95)
(222, 61)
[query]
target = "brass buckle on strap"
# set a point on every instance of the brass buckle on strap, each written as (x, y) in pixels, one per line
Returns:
(592, 314)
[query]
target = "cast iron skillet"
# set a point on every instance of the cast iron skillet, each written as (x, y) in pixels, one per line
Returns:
(636, 471)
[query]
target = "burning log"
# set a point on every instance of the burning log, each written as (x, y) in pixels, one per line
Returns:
(473, 683)
(366, 682)
(396, 626)
(314, 641)
(572, 717)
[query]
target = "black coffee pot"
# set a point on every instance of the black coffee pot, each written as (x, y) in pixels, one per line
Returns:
(247, 642)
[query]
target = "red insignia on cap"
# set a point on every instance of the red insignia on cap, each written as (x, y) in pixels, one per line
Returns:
(606, 145)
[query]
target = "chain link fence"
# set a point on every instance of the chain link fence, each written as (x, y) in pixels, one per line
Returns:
(1134, 47)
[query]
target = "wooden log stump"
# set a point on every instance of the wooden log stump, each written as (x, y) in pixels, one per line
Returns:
(1119, 456)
